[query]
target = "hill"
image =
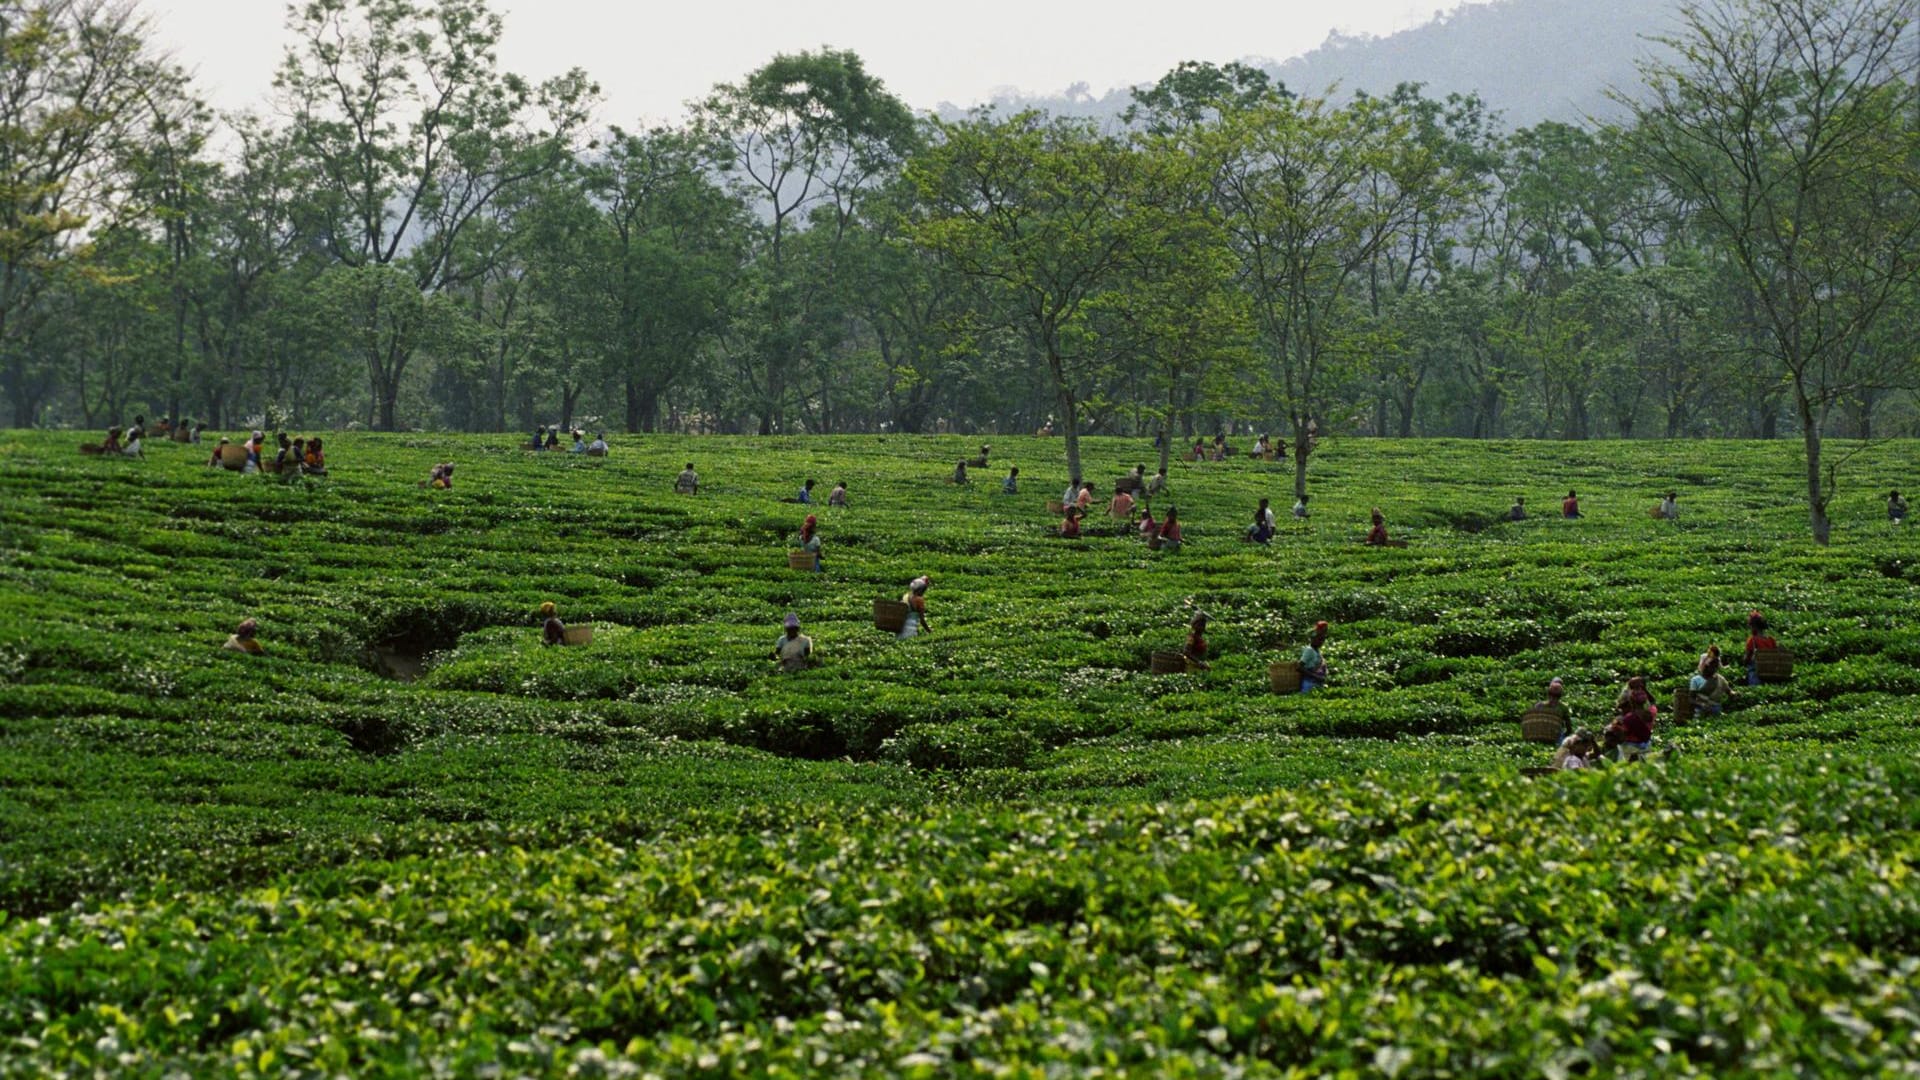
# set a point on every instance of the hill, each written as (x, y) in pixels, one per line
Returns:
(1532, 60)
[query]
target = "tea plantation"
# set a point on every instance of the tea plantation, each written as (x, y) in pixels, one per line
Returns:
(1000, 848)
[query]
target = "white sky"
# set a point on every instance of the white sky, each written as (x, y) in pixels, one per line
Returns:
(651, 56)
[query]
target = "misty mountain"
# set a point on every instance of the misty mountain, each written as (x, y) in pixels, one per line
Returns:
(1531, 60)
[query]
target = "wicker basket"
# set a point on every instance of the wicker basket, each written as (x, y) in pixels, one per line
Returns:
(577, 635)
(1682, 705)
(799, 560)
(1284, 676)
(1541, 726)
(1773, 665)
(1056, 507)
(1189, 456)
(233, 457)
(1168, 663)
(889, 615)
(92, 448)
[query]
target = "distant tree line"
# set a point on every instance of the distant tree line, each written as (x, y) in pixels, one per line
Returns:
(421, 239)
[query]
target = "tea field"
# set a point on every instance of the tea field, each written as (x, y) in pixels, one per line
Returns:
(409, 838)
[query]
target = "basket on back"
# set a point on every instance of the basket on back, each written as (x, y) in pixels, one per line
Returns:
(1284, 676)
(233, 457)
(1055, 506)
(1682, 705)
(889, 615)
(799, 560)
(1773, 665)
(1167, 663)
(578, 635)
(1541, 726)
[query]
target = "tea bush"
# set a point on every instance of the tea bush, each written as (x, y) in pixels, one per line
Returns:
(658, 852)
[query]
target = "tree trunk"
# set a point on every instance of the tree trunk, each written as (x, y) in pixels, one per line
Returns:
(388, 391)
(1817, 496)
(1070, 423)
(1302, 446)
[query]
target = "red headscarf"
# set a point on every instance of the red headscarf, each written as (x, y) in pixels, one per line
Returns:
(807, 527)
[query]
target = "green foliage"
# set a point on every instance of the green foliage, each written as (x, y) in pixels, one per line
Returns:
(659, 846)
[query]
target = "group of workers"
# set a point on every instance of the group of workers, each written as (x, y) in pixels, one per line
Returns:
(130, 441)
(548, 438)
(296, 456)
(1630, 733)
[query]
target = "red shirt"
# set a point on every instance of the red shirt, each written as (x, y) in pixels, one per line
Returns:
(1634, 725)
(1569, 507)
(1170, 531)
(1070, 528)
(1759, 641)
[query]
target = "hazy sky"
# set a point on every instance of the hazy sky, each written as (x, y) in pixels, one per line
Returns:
(651, 56)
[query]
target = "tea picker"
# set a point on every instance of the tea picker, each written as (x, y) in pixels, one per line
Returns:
(1631, 733)
(793, 649)
(915, 598)
(553, 631)
(243, 639)
(810, 541)
(1577, 751)
(1766, 660)
(1314, 673)
(1547, 721)
(1196, 648)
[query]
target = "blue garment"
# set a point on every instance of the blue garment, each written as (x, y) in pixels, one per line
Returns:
(805, 496)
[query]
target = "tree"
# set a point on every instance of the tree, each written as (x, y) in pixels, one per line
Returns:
(1054, 219)
(1312, 192)
(806, 137)
(1787, 133)
(79, 88)
(660, 256)
(410, 131)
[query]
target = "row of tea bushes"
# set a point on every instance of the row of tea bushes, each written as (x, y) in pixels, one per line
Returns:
(1687, 919)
